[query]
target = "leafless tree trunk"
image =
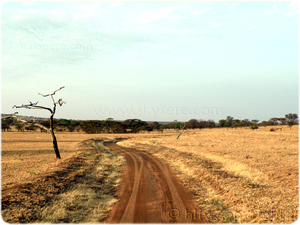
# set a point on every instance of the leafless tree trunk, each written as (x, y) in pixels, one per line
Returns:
(181, 128)
(52, 134)
(52, 111)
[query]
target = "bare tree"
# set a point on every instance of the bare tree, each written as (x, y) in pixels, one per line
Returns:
(52, 111)
(182, 127)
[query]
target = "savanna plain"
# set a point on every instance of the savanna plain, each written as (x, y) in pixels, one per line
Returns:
(236, 175)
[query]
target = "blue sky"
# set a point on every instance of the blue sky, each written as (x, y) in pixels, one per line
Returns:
(155, 61)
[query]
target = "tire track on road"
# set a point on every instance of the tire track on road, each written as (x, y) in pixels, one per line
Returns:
(151, 193)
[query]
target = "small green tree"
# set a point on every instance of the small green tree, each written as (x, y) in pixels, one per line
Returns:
(229, 121)
(292, 119)
(236, 123)
(222, 123)
(254, 127)
(192, 124)
(19, 126)
(245, 123)
(264, 123)
(5, 126)
(274, 120)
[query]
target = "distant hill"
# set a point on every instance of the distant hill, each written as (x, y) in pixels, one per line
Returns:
(27, 118)
(38, 119)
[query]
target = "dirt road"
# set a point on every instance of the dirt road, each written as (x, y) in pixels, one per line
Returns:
(151, 193)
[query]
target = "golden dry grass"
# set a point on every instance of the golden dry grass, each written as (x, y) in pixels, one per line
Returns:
(89, 200)
(239, 175)
(84, 191)
(25, 154)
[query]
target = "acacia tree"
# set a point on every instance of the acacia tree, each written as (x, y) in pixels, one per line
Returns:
(193, 123)
(229, 121)
(283, 121)
(60, 102)
(291, 119)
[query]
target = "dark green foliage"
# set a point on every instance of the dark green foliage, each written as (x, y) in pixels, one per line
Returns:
(63, 122)
(31, 127)
(92, 126)
(71, 128)
(134, 125)
(254, 127)
(245, 123)
(264, 123)
(192, 124)
(118, 128)
(273, 121)
(9, 120)
(5, 126)
(19, 126)
(222, 123)
(291, 119)
(46, 123)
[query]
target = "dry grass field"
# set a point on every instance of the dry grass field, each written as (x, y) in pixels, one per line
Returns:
(25, 154)
(238, 175)
(36, 187)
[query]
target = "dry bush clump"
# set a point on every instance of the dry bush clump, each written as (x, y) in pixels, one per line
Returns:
(89, 200)
(239, 175)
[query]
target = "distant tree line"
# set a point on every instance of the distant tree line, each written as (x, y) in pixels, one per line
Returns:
(112, 126)
(138, 126)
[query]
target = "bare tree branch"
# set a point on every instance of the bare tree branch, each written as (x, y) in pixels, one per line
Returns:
(53, 92)
(30, 106)
(60, 102)
(52, 111)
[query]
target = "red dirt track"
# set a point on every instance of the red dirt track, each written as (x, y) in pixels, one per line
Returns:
(151, 193)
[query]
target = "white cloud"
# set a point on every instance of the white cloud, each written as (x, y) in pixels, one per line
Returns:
(115, 4)
(153, 16)
(230, 15)
(218, 25)
(251, 27)
(174, 17)
(89, 11)
(187, 31)
(294, 10)
(197, 12)
(29, 38)
(268, 12)
(293, 5)
(190, 32)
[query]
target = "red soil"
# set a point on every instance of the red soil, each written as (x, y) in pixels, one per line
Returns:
(150, 192)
